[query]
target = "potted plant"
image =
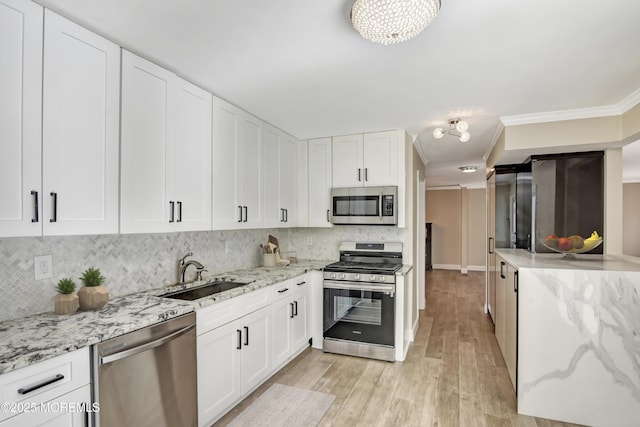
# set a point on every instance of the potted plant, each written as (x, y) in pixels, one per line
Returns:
(66, 302)
(93, 295)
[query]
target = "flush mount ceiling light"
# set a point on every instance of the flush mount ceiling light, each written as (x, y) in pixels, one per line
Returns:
(468, 169)
(457, 127)
(392, 21)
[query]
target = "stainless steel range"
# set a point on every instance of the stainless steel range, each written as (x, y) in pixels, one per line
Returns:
(359, 303)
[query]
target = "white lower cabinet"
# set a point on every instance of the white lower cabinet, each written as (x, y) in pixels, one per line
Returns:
(55, 392)
(507, 315)
(290, 319)
(244, 340)
(232, 360)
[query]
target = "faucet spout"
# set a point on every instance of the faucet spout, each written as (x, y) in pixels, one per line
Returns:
(183, 265)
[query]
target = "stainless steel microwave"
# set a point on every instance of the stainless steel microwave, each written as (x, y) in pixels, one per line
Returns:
(364, 205)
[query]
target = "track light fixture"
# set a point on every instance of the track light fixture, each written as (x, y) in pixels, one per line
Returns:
(457, 127)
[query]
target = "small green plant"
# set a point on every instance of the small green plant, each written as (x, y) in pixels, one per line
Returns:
(92, 277)
(66, 286)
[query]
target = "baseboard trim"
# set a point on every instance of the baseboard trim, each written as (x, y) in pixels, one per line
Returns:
(446, 267)
(476, 268)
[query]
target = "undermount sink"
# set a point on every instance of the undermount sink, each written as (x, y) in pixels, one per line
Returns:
(203, 291)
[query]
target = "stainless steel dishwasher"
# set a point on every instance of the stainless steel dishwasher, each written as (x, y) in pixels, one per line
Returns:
(148, 377)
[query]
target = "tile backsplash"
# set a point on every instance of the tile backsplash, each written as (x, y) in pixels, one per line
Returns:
(138, 262)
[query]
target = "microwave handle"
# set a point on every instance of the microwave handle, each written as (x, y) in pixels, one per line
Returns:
(380, 205)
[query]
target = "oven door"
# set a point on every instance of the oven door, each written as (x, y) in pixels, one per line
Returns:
(362, 312)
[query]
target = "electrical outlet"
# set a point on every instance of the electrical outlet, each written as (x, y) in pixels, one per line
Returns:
(309, 241)
(43, 266)
(227, 247)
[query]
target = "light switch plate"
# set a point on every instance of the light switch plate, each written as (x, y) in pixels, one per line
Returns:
(43, 266)
(309, 241)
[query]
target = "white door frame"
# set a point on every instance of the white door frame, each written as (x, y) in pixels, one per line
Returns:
(420, 241)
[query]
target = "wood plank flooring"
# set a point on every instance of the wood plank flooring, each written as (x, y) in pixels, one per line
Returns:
(454, 373)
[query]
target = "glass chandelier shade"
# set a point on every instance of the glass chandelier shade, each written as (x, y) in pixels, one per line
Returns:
(457, 127)
(392, 21)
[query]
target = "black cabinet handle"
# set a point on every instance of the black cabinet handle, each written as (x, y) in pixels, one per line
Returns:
(240, 213)
(239, 347)
(359, 171)
(516, 278)
(300, 283)
(502, 264)
(281, 215)
(246, 335)
(291, 305)
(295, 308)
(35, 206)
(26, 390)
(179, 212)
(283, 290)
(55, 207)
(172, 206)
(246, 210)
(489, 245)
(286, 215)
(366, 174)
(328, 220)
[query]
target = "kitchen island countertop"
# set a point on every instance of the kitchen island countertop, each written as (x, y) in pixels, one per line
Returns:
(35, 338)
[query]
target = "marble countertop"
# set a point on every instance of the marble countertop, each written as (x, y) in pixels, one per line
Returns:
(521, 258)
(404, 270)
(42, 336)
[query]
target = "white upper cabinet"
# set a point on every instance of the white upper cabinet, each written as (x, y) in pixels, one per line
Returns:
(147, 142)
(280, 178)
(20, 118)
(81, 110)
(320, 172)
(366, 160)
(192, 157)
(237, 168)
(166, 150)
(348, 168)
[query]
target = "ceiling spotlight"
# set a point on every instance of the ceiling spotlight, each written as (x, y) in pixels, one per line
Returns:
(392, 21)
(457, 127)
(468, 169)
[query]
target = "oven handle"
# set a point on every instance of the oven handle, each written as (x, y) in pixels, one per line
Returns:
(329, 284)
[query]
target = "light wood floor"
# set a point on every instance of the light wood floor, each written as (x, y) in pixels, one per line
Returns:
(454, 374)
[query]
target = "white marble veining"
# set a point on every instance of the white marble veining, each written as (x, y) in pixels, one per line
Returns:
(578, 338)
(525, 259)
(35, 338)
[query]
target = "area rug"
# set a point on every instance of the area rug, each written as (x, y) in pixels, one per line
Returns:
(283, 405)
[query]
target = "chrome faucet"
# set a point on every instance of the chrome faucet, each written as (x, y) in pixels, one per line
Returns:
(183, 265)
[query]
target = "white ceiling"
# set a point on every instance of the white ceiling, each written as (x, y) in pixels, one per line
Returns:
(299, 65)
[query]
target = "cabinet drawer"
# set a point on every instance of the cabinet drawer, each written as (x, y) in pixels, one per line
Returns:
(216, 315)
(46, 380)
(283, 289)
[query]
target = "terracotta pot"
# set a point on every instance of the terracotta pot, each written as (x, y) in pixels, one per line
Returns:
(65, 303)
(93, 297)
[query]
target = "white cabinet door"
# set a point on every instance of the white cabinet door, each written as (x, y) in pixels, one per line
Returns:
(288, 179)
(251, 170)
(192, 157)
(381, 158)
(347, 159)
(218, 371)
(80, 135)
(273, 216)
(500, 302)
(20, 118)
(511, 322)
(237, 168)
(256, 349)
(302, 211)
(300, 322)
(147, 144)
(227, 211)
(55, 416)
(280, 178)
(282, 313)
(320, 171)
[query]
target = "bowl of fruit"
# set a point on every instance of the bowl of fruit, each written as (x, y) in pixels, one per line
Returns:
(569, 246)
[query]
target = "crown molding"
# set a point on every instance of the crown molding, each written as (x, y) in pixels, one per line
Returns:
(494, 139)
(579, 113)
(420, 150)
